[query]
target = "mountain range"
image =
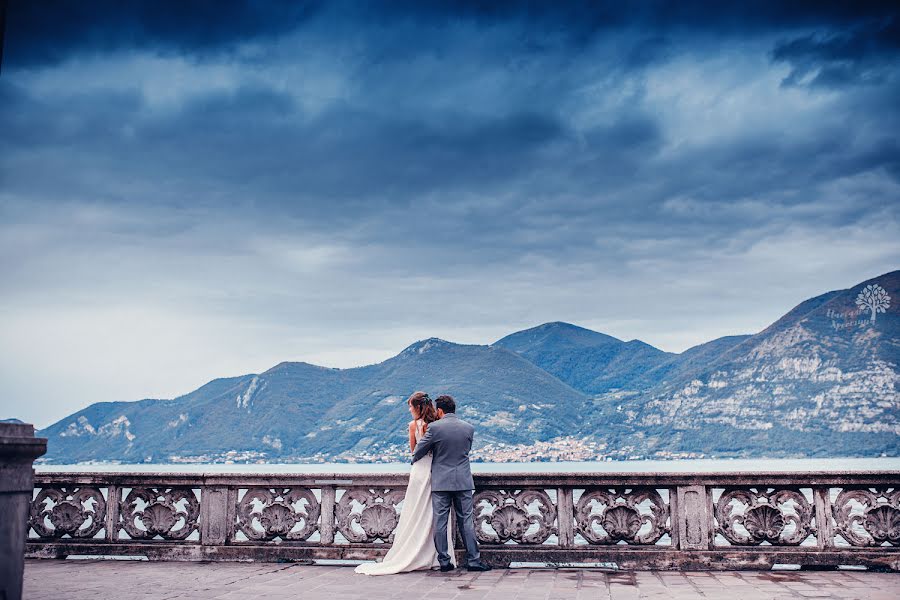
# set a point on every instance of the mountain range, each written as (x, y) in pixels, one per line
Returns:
(823, 380)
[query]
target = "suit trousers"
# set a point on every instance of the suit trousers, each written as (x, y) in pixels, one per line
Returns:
(462, 503)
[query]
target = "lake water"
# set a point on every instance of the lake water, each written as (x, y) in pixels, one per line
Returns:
(793, 465)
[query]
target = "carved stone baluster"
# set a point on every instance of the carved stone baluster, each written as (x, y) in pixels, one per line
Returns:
(674, 516)
(509, 514)
(825, 533)
(693, 517)
(266, 513)
(111, 523)
(79, 512)
(326, 526)
(779, 516)
(161, 515)
(616, 511)
(231, 528)
(214, 516)
(877, 519)
(377, 517)
(565, 515)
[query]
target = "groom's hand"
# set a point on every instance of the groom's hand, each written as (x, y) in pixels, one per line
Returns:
(423, 445)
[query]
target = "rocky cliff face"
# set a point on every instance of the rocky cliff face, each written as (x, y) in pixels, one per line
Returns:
(826, 365)
(826, 368)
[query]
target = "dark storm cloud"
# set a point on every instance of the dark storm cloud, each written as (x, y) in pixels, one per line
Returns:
(866, 54)
(258, 137)
(49, 31)
(250, 178)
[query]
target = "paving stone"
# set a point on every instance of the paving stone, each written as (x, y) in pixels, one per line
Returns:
(99, 580)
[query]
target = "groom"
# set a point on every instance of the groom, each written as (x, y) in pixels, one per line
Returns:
(449, 439)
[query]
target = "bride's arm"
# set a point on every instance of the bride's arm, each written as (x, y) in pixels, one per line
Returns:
(412, 436)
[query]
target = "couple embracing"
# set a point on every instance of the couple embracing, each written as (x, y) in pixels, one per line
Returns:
(440, 477)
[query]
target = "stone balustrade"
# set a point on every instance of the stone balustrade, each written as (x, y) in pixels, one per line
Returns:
(634, 520)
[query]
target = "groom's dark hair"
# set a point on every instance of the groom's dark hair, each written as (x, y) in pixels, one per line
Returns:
(446, 404)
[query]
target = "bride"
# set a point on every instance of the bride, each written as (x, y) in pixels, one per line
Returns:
(413, 546)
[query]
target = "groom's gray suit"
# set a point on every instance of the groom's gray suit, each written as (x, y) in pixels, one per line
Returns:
(449, 440)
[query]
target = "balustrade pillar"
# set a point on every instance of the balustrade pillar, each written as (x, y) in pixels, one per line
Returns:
(565, 515)
(694, 517)
(216, 516)
(824, 527)
(326, 523)
(111, 521)
(18, 449)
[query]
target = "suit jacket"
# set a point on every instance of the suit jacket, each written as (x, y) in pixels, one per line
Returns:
(449, 440)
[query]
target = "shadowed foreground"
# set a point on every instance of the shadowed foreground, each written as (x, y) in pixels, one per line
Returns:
(100, 579)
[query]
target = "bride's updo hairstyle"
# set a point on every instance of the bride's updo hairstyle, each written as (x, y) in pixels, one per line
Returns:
(423, 406)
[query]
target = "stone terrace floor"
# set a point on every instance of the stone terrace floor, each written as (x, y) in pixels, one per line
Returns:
(99, 579)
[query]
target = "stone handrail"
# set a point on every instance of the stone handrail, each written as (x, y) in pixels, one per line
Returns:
(632, 520)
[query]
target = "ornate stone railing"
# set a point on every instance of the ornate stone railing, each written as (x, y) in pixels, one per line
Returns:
(634, 520)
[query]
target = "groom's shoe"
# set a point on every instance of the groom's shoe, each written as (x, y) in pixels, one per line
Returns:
(478, 567)
(445, 568)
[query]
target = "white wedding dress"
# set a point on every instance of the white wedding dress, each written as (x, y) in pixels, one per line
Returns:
(413, 546)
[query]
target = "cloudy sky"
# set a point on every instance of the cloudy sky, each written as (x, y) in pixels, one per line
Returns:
(199, 189)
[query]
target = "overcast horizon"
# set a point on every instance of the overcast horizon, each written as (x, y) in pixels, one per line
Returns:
(387, 354)
(193, 190)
